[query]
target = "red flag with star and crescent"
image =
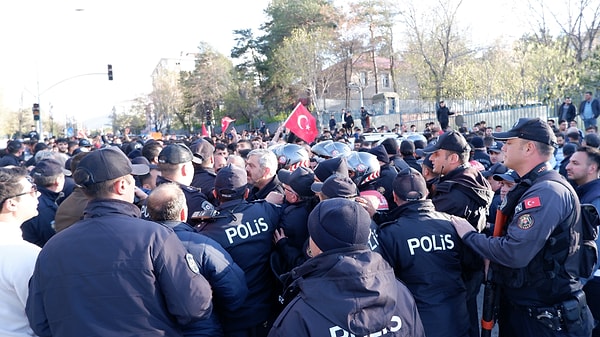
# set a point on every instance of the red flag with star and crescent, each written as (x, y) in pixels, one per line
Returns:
(302, 123)
(225, 121)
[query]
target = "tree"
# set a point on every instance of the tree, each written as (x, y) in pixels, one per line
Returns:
(205, 86)
(378, 18)
(578, 22)
(304, 60)
(286, 16)
(135, 119)
(434, 45)
(166, 98)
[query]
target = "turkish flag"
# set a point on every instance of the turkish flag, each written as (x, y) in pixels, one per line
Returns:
(225, 121)
(204, 132)
(532, 202)
(302, 123)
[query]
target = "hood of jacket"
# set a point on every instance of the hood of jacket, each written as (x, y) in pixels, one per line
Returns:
(469, 180)
(359, 284)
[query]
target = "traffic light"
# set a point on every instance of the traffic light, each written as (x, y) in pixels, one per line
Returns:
(36, 111)
(110, 74)
(208, 117)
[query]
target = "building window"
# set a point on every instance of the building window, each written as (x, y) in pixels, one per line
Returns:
(363, 79)
(385, 80)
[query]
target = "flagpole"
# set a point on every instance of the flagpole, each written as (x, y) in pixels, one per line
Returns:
(290, 116)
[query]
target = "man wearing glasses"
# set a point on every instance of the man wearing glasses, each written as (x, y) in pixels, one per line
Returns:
(17, 257)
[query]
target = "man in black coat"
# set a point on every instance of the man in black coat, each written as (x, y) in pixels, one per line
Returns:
(245, 230)
(166, 205)
(567, 110)
(442, 114)
(426, 254)
(345, 288)
(461, 190)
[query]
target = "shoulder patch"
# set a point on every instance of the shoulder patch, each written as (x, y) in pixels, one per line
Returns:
(525, 222)
(189, 258)
(532, 202)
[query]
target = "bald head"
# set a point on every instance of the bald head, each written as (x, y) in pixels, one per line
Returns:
(167, 203)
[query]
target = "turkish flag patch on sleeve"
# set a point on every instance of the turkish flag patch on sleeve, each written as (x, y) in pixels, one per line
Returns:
(532, 202)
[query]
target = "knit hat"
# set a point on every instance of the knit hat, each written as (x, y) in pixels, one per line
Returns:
(477, 142)
(339, 223)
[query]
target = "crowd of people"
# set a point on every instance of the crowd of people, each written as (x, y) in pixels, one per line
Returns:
(250, 234)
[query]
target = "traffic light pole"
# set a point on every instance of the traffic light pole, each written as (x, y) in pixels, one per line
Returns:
(39, 124)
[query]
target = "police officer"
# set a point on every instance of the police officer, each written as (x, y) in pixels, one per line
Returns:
(461, 190)
(167, 206)
(246, 230)
(113, 274)
(426, 254)
(536, 263)
(345, 288)
(175, 165)
(387, 173)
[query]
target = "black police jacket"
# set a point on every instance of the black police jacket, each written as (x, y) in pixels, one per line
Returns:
(426, 254)
(194, 198)
(226, 278)
(245, 230)
(347, 291)
(204, 180)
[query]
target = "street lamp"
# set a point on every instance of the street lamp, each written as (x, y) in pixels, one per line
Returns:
(353, 85)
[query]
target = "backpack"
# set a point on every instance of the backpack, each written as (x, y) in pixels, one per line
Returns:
(589, 233)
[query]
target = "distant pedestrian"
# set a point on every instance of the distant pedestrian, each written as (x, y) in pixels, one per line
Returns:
(348, 122)
(332, 123)
(443, 114)
(567, 110)
(365, 118)
(589, 110)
